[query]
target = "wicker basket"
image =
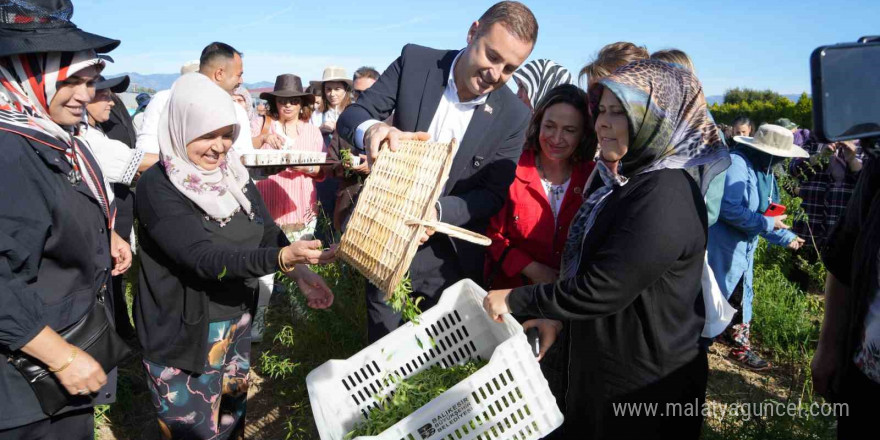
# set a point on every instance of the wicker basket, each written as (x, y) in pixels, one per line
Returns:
(381, 238)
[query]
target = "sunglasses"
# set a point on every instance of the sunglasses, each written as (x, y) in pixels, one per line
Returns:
(291, 100)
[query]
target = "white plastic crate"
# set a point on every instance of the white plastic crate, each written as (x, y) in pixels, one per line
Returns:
(507, 399)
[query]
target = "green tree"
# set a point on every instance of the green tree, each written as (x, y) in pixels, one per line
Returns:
(737, 95)
(767, 110)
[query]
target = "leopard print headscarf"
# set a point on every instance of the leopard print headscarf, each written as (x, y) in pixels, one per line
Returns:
(669, 127)
(669, 122)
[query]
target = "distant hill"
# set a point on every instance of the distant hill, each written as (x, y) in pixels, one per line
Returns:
(162, 81)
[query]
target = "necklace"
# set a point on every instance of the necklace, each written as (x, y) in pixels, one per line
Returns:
(543, 174)
(295, 128)
(555, 193)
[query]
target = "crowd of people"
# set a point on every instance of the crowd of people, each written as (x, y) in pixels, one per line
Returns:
(624, 221)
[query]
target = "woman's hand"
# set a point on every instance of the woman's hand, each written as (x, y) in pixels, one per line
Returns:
(273, 141)
(362, 168)
(548, 331)
(307, 170)
(540, 273)
(314, 288)
(83, 376)
(778, 222)
(307, 252)
(120, 250)
(328, 127)
(495, 304)
(80, 374)
(796, 243)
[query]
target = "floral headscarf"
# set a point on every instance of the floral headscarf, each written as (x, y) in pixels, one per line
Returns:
(248, 101)
(669, 128)
(198, 106)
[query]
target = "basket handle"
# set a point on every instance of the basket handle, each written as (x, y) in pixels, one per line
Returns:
(453, 231)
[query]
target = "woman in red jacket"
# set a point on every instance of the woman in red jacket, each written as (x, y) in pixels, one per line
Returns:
(529, 232)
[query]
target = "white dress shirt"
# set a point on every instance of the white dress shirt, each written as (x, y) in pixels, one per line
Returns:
(148, 136)
(451, 119)
(244, 142)
(119, 164)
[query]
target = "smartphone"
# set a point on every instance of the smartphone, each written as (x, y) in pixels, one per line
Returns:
(774, 210)
(846, 90)
(534, 340)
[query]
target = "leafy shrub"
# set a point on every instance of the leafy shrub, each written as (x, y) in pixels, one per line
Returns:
(766, 109)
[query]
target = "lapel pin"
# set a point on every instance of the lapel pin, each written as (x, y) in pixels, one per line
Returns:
(487, 108)
(577, 190)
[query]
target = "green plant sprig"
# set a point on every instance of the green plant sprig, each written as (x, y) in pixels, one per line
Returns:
(401, 301)
(411, 394)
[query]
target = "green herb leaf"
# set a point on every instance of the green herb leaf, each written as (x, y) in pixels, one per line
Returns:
(411, 394)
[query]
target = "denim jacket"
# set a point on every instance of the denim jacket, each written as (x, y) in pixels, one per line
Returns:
(733, 239)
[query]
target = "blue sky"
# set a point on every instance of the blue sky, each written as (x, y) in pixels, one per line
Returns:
(757, 44)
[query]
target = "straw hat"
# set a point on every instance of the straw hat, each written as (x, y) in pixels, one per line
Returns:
(335, 73)
(773, 140)
(189, 67)
(288, 85)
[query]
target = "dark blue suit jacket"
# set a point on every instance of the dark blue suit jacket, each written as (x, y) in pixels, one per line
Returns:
(484, 166)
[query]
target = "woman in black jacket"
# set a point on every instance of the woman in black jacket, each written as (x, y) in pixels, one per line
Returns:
(56, 218)
(205, 234)
(630, 274)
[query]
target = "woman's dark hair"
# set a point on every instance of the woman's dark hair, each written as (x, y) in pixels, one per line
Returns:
(346, 100)
(305, 110)
(742, 120)
(575, 97)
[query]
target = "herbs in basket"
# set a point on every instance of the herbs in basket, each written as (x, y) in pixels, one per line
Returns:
(411, 394)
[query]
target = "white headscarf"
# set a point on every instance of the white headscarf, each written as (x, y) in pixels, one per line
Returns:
(198, 106)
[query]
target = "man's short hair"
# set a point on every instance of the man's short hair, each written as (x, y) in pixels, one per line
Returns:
(365, 72)
(215, 51)
(516, 17)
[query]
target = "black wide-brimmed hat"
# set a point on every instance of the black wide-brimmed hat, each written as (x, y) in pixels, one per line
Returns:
(116, 85)
(288, 85)
(35, 26)
(315, 88)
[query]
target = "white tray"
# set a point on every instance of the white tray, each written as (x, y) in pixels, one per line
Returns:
(282, 158)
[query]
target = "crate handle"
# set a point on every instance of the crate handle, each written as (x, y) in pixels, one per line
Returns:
(453, 231)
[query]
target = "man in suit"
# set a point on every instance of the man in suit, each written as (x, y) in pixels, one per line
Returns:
(440, 95)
